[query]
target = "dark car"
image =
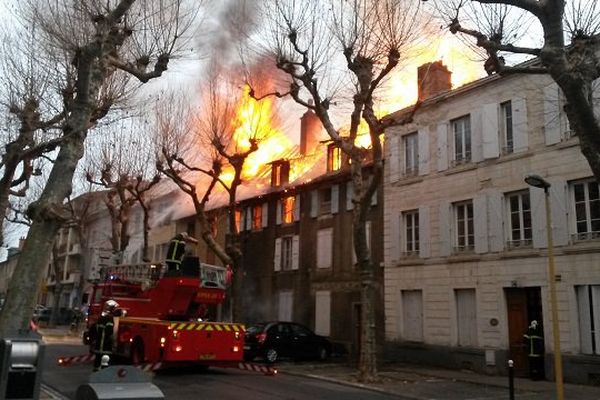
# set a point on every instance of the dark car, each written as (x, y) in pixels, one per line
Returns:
(274, 340)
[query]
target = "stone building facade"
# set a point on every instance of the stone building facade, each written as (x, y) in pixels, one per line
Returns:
(466, 250)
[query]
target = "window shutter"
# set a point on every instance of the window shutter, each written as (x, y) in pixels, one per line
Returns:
(349, 194)
(247, 219)
(496, 220)
(442, 147)
(374, 198)
(520, 126)
(335, 199)
(552, 114)
(324, 246)
(446, 224)
(278, 216)
(476, 136)
(314, 203)
(558, 207)
(323, 312)
(480, 223)
(295, 252)
(394, 243)
(265, 215)
(424, 246)
(277, 257)
(491, 146)
(538, 217)
(596, 306)
(297, 208)
(393, 157)
(585, 326)
(423, 139)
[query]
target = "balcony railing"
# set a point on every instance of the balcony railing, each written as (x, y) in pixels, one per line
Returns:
(585, 236)
(519, 244)
(469, 248)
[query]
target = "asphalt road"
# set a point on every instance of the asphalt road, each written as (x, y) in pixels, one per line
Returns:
(214, 383)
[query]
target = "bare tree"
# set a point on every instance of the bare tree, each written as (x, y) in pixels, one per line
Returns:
(569, 52)
(204, 154)
(107, 41)
(124, 164)
(312, 42)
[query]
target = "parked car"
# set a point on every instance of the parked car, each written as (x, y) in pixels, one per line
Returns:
(274, 340)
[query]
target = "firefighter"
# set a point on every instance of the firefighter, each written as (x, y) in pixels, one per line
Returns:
(534, 340)
(176, 252)
(103, 332)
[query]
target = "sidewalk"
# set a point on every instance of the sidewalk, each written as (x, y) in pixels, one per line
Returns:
(409, 381)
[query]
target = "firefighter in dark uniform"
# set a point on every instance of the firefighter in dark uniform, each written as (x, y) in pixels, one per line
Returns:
(534, 341)
(176, 252)
(103, 332)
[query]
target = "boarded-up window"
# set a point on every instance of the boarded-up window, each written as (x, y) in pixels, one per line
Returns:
(466, 315)
(323, 312)
(285, 306)
(412, 313)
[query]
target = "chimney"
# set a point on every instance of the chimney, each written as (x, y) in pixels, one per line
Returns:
(433, 78)
(310, 131)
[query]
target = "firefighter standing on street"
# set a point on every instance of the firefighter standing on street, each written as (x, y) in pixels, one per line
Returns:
(176, 251)
(103, 332)
(534, 340)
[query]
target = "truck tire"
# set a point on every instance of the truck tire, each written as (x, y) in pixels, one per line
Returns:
(137, 352)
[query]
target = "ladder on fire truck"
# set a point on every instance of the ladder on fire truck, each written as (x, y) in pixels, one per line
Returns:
(211, 276)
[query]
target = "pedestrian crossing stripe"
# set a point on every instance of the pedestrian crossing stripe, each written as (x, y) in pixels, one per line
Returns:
(203, 326)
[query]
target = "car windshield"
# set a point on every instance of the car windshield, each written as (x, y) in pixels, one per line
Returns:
(254, 329)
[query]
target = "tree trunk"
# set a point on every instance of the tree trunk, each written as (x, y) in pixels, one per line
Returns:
(47, 220)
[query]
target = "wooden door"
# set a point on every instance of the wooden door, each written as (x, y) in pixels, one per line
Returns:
(516, 305)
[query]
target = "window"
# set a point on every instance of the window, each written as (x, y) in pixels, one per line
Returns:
(412, 315)
(334, 157)
(325, 201)
(587, 210)
(287, 209)
(466, 316)
(461, 129)
(324, 247)
(257, 216)
(411, 154)
(519, 221)
(465, 236)
(238, 220)
(286, 253)
(506, 127)
(411, 232)
(588, 303)
(280, 172)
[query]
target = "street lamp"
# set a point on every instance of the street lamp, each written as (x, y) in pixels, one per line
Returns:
(539, 182)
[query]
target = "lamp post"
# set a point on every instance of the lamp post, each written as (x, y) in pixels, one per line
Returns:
(539, 182)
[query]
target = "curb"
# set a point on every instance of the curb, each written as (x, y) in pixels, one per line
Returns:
(52, 393)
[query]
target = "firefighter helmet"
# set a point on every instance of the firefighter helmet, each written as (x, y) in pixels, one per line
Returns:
(110, 305)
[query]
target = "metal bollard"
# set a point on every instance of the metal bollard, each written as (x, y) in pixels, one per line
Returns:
(511, 380)
(21, 357)
(119, 382)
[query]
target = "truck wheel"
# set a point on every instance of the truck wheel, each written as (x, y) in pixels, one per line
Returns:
(271, 355)
(137, 352)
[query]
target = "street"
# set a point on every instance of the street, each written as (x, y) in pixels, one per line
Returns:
(214, 383)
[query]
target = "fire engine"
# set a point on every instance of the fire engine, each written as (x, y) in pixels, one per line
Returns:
(168, 318)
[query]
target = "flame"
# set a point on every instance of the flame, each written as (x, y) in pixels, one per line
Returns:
(450, 50)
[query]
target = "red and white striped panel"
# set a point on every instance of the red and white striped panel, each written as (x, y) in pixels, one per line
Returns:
(151, 367)
(84, 358)
(257, 368)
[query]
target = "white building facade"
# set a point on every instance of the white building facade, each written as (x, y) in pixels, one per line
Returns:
(466, 240)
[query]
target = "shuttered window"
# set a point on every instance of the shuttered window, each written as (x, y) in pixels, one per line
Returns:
(506, 127)
(411, 154)
(464, 228)
(324, 247)
(519, 219)
(461, 130)
(410, 220)
(586, 197)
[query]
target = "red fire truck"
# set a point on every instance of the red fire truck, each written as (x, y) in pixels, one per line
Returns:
(169, 318)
